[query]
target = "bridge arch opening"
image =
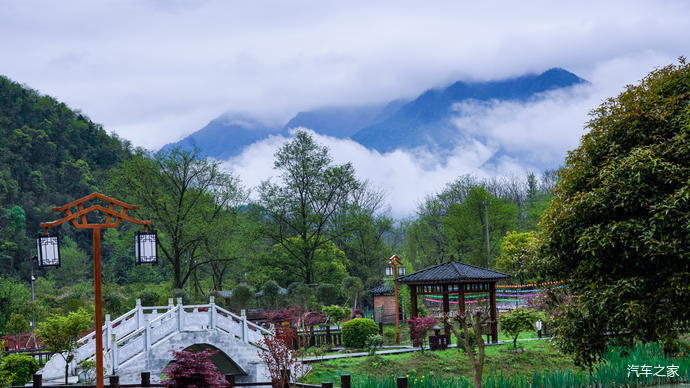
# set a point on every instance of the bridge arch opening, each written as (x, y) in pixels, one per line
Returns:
(222, 361)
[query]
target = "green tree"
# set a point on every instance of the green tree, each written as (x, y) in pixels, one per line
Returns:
(474, 228)
(516, 321)
(618, 227)
(327, 293)
(304, 204)
(519, 257)
(75, 265)
(242, 296)
(61, 333)
(271, 293)
(185, 196)
(12, 297)
(352, 287)
(17, 324)
(301, 295)
(335, 313)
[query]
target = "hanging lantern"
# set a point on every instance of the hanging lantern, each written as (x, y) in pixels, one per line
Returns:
(145, 247)
(48, 250)
(401, 270)
(389, 270)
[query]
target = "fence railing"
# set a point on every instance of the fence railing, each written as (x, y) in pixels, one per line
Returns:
(38, 354)
(320, 337)
(114, 382)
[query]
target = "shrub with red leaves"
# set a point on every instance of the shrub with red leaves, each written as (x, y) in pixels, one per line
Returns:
(193, 370)
(279, 357)
(418, 328)
(284, 315)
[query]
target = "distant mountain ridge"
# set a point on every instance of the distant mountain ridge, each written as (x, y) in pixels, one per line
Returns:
(425, 121)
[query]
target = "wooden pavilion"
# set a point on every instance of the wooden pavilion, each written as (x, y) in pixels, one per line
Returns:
(458, 278)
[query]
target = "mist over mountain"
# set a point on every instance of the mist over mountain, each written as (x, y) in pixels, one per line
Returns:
(428, 121)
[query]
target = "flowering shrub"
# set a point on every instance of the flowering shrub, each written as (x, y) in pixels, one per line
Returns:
(193, 370)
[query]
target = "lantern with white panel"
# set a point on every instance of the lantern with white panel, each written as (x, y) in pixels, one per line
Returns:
(146, 247)
(48, 250)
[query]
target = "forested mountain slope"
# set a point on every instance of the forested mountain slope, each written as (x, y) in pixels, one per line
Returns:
(49, 155)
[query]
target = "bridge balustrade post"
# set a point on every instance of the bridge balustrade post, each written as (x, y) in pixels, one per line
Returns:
(147, 344)
(170, 304)
(243, 314)
(108, 331)
(180, 315)
(139, 314)
(212, 312)
(113, 354)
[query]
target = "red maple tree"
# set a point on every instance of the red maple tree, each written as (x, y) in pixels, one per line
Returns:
(276, 352)
(193, 370)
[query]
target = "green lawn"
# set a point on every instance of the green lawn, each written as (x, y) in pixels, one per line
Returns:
(537, 356)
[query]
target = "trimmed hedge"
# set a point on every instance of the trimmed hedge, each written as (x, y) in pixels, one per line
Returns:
(356, 331)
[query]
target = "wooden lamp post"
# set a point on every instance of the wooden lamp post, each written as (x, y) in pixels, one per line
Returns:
(49, 256)
(395, 269)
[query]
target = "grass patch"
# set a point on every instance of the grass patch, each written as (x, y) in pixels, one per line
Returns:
(539, 365)
(537, 355)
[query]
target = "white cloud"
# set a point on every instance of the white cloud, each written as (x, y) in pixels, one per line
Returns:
(153, 71)
(531, 135)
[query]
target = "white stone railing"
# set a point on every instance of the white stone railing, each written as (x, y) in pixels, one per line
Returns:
(174, 319)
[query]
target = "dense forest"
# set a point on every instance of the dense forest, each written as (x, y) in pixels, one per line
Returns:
(313, 235)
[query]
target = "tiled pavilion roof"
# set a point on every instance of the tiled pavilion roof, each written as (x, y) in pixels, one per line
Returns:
(451, 272)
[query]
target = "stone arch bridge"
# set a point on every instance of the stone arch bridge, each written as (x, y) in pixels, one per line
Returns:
(141, 340)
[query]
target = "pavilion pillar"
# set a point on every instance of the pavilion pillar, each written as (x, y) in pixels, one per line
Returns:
(446, 307)
(493, 312)
(461, 298)
(413, 300)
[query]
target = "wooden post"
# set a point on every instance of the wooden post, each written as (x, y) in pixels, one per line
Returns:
(413, 300)
(114, 381)
(446, 308)
(145, 379)
(397, 303)
(492, 299)
(37, 381)
(326, 385)
(329, 340)
(231, 380)
(402, 382)
(461, 298)
(345, 381)
(98, 296)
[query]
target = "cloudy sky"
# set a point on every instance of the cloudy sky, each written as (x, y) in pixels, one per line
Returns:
(154, 71)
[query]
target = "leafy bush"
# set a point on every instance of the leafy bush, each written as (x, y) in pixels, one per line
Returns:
(389, 334)
(356, 331)
(374, 342)
(20, 366)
